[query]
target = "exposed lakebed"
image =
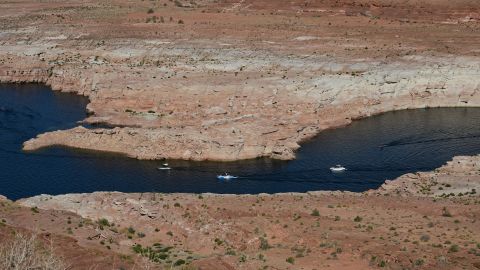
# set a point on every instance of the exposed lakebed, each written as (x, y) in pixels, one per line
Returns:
(373, 150)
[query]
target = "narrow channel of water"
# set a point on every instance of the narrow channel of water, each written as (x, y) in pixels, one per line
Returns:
(373, 149)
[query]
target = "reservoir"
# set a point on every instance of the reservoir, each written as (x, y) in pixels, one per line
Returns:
(373, 150)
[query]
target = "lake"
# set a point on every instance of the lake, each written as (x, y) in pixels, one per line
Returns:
(372, 149)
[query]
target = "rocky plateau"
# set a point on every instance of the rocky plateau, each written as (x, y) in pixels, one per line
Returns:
(228, 80)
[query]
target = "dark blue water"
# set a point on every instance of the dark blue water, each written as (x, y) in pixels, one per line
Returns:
(373, 149)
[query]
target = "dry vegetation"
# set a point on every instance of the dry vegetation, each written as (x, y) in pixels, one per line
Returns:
(25, 252)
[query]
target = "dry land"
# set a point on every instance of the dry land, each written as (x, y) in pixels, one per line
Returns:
(228, 80)
(224, 80)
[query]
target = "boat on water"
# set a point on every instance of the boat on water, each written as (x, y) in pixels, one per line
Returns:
(226, 176)
(164, 167)
(338, 168)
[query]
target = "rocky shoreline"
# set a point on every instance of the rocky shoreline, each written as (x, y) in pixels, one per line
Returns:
(249, 129)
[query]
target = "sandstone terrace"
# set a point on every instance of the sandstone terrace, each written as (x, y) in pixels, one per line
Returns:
(271, 77)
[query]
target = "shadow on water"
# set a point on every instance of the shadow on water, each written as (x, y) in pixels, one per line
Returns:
(373, 150)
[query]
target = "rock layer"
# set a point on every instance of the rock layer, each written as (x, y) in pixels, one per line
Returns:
(186, 91)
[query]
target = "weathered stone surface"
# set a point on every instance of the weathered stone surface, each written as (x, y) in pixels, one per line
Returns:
(192, 92)
(459, 177)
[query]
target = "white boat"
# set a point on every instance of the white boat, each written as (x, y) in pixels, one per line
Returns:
(226, 176)
(338, 168)
(164, 167)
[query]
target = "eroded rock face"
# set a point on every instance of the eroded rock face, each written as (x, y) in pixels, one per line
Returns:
(194, 93)
(459, 177)
(274, 127)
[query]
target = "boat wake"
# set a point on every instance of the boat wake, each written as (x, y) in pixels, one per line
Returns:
(402, 142)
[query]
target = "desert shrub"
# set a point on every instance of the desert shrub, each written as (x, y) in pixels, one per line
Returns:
(150, 11)
(424, 238)
(230, 252)
(419, 262)
(25, 252)
(264, 244)
(315, 213)
(103, 222)
(155, 253)
(446, 213)
(178, 3)
(179, 262)
(453, 248)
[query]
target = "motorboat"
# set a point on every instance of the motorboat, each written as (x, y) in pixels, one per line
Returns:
(164, 167)
(338, 168)
(226, 176)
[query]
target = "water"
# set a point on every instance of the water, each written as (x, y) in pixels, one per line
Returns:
(373, 149)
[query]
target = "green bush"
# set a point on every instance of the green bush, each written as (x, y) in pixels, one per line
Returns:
(103, 222)
(419, 262)
(453, 248)
(179, 262)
